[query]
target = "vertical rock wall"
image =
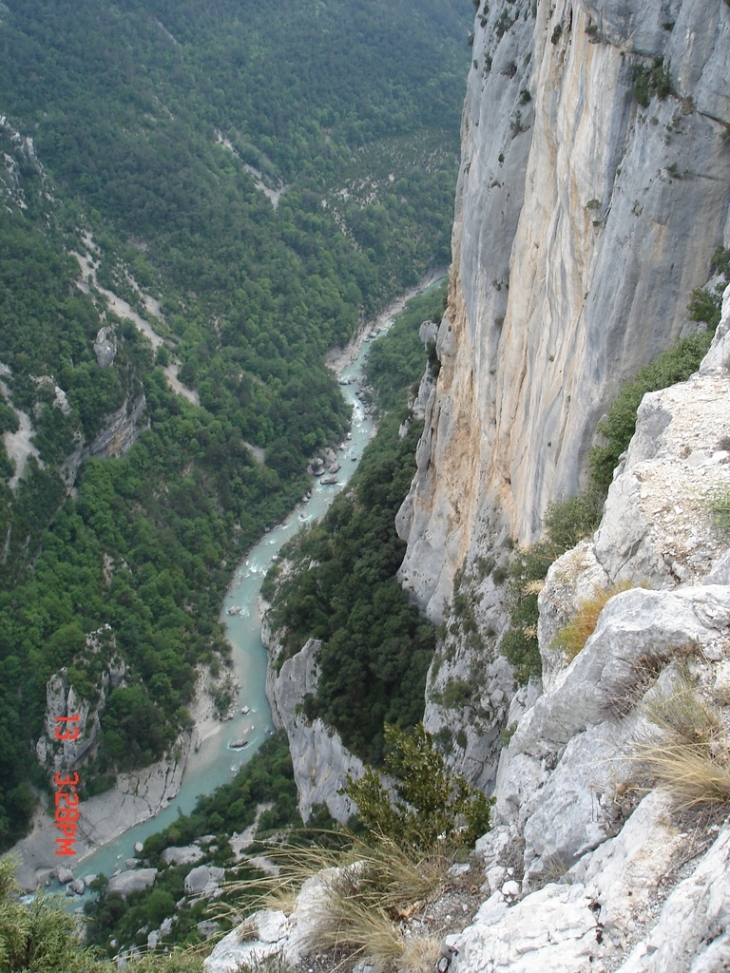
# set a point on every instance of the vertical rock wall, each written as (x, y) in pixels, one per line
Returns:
(583, 222)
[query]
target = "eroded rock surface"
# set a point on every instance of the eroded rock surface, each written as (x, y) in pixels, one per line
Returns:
(321, 761)
(583, 221)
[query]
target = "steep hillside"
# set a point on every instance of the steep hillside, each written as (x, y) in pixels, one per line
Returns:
(198, 202)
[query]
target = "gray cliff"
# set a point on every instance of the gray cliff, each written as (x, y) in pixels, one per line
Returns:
(583, 222)
(321, 761)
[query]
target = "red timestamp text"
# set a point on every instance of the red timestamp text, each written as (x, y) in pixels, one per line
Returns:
(66, 797)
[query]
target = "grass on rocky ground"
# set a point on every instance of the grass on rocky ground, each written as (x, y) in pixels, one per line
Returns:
(690, 754)
(573, 636)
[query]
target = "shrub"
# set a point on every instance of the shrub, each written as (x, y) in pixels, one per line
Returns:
(434, 363)
(720, 507)
(520, 648)
(456, 694)
(506, 734)
(428, 801)
(720, 262)
(705, 306)
(40, 937)
(648, 81)
(568, 521)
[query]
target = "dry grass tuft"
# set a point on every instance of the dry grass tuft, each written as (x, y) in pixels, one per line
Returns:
(692, 774)
(348, 921)
(691, 758)
(686, 718)
(367, 892)
(420, 954)
(573, 636)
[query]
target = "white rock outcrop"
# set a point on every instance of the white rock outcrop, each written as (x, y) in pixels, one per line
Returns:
(204, 881)
(188, 855)
(267, 933)
(63, 701)
(105, 347)
(321, 761)
(133, 881)
(607, 885)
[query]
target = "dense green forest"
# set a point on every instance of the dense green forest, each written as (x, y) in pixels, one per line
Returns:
(268, 176)
(340, 583)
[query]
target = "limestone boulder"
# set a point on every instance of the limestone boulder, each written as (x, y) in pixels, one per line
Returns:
(105, 347)
(127, 882)
(204, 880)
(187, 855)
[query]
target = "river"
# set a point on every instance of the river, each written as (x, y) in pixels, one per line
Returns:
(215, 762)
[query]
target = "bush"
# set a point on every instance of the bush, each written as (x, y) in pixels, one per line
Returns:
(720, 507)
(568, 521)
(720, 263)
(429, 802)
(456, 694)
(705, 306)
(648, 81)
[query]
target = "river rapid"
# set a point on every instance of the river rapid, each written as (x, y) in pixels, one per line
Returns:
(217, 760)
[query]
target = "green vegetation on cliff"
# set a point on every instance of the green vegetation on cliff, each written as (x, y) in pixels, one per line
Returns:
(342, 588)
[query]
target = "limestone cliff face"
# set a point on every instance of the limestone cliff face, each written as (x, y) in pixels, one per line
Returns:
(583, 221)
(122, 430)
(320, 759)
(609, 878)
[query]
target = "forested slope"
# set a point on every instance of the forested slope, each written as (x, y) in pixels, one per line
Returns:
(264, 176)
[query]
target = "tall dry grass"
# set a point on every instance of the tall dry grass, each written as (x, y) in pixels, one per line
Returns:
(691, 754)
(366, 892)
